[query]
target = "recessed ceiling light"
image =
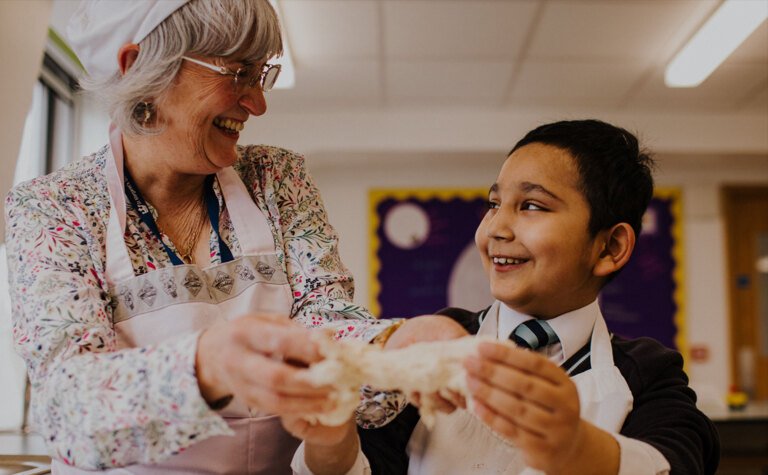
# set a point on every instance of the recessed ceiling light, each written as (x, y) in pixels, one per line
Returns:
(728, 27)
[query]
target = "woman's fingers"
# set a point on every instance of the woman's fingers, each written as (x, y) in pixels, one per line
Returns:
(261, 359)
(268, 400)
(279, 338)
(260, 371)
(278, 388)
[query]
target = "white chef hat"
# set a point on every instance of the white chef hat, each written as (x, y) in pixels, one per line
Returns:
(99, 28)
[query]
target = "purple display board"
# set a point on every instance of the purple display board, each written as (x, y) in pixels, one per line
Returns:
(644, 299)
(419, 236)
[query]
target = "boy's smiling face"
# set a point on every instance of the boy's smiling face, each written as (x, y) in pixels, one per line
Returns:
(534, 241)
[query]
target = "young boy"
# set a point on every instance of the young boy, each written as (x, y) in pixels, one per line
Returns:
(563, 219)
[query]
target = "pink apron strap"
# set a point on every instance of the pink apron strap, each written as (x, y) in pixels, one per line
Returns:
(119, 267)
(250, 223)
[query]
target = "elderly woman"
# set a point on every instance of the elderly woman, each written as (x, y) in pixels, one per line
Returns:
(153, 281)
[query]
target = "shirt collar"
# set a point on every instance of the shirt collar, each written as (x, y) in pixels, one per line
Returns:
(574, 329)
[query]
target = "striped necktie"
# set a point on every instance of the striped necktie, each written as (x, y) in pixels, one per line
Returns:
(534, 334)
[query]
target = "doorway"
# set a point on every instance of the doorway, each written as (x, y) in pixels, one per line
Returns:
(746, 220)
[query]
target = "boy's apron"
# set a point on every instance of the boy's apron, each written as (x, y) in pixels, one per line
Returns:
(175, 300)
(461, 443)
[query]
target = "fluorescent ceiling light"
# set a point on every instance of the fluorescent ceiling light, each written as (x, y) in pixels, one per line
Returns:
(728, 27)
(287, 78)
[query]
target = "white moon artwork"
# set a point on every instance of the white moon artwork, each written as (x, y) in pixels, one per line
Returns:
(407, 226)
(468, 285)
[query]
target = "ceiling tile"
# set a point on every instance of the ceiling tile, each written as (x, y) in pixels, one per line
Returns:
(609, 29)
(418, 29)
(354, 79)
(452, 82)
(330, 83)
(590, 83)
(282, 104)
(726, 88)
(331, 28)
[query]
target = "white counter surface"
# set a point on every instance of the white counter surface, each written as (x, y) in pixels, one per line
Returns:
(17, 443)
(757, 411)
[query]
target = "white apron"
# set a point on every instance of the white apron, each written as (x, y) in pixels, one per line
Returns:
(461, 444)
(168, 302)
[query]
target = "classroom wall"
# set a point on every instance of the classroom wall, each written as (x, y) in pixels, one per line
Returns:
(23, 27)
(345, 178)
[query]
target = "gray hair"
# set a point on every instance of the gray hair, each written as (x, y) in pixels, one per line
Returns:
(249, 28)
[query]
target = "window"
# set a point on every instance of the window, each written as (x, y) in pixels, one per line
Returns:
(49, 129)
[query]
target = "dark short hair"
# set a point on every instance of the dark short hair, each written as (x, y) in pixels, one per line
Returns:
(615, 174)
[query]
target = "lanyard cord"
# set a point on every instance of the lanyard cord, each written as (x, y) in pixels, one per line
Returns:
(212, 205)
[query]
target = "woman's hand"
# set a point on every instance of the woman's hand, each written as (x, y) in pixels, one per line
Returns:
(444, 403)
(327, 450)
(258, 359)
(533, 404)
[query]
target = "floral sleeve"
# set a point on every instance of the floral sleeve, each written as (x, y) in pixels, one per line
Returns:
(96, 407)
(322, 286)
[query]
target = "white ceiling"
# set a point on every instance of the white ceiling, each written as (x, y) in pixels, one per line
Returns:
(456, 73)
(508, 53)
(503, 54)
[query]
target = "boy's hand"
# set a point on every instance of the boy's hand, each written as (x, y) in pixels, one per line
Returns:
(533, 404)
(444, 403)
(425, 328)
(429, 328)
(327, 450)
(317, 434)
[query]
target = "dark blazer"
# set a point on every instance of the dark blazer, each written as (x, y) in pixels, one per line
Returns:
(664, 412)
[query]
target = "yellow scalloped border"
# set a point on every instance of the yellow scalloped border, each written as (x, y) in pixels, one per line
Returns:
(376, 196)
(675, 195)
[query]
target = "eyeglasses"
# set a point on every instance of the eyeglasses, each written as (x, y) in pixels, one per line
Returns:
(244, 75)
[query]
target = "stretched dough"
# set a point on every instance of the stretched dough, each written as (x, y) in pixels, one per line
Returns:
(429, 367)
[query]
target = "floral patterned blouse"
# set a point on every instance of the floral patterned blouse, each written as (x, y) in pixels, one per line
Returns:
(99, 407)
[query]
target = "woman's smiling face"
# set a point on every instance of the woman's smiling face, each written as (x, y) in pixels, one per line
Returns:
(534, 241)
(202, 115)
